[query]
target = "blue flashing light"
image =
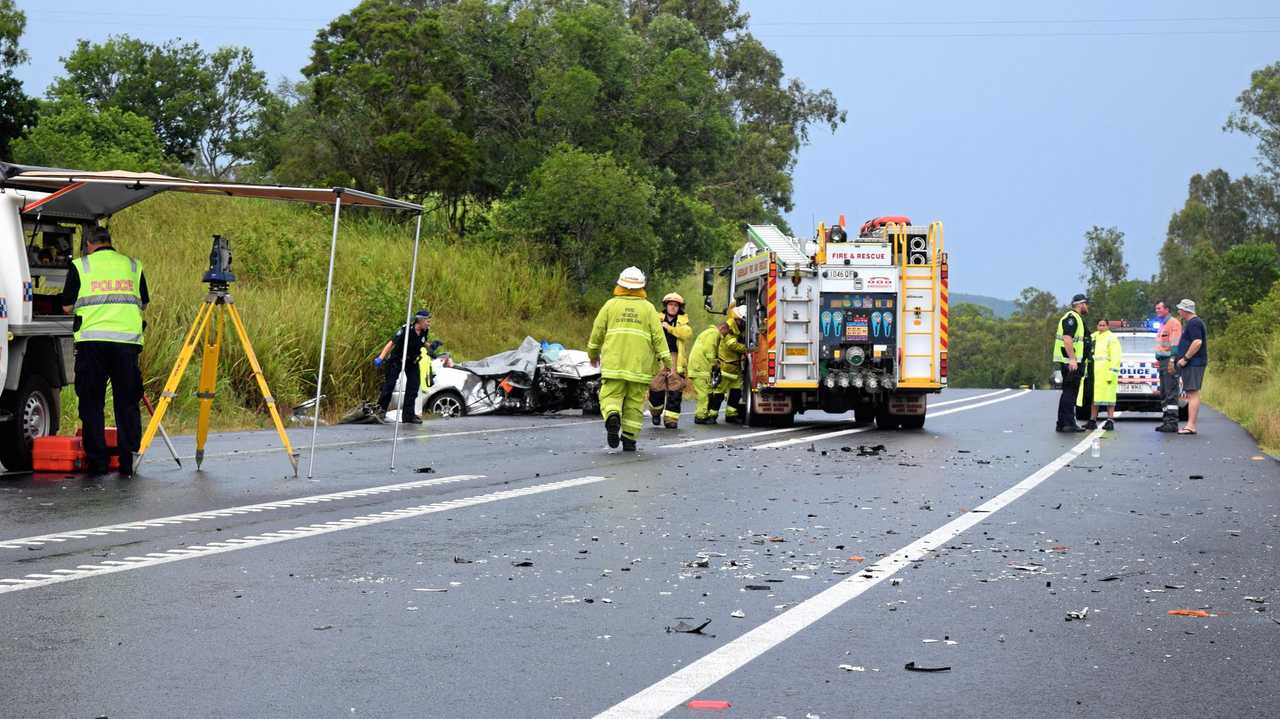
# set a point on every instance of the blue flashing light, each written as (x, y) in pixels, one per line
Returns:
(1155, 324)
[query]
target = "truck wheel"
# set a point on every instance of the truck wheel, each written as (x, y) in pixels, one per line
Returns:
(35, 414)
(912, 421)
(885, 420)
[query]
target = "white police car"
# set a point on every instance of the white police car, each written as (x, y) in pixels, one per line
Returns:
(1139, 384)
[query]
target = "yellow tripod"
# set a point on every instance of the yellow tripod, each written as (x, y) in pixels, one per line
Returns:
(204, 332)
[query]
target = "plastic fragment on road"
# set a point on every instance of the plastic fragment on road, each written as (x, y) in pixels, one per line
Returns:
(737, 614)
(709, 704)
(857, 558)
(683, 627)
(460, 560)
(913, 667)
(424, 470)
(852, 668)
(758, 587)
(1078, 615)
(1256, 600)
(1189, 613)
(522, 563)
(431, 589)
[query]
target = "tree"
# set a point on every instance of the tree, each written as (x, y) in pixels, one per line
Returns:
(17, 110)
(205, 108)
(1104, 263)
(72, 134)
(1034, 303)
(1258, 116)
(589, 210)
(1240, 279)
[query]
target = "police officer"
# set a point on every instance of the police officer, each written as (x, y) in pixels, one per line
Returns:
(1068, 353)
(415, 334)
(107, 292)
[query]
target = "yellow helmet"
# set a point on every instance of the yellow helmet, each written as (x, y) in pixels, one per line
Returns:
(673, 297)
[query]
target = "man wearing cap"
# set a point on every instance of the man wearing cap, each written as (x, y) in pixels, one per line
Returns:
(1167, 338)
(667, 388)
(402, 352)
(627, 340)
(1068, 353)
(1191, 359)
(108, 292)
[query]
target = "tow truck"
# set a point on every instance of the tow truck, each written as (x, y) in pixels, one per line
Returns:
(841, 323)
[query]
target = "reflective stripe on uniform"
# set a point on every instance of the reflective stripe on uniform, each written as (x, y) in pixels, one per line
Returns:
(108, 300)
(111, 336)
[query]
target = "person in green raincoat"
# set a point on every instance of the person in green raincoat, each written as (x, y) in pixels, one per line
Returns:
(730, 352)
(627, 341)
(702, 365)
(1104, 375)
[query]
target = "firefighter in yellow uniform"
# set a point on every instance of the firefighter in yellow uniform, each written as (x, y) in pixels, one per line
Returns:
(1104, 374)
(702, 364)
(626, 342)
(730, 352)
(666, 391)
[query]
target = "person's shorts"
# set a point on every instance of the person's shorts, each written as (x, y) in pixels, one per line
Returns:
(1192, 377)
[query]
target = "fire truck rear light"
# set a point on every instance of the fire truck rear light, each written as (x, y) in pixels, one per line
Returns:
(942, 364)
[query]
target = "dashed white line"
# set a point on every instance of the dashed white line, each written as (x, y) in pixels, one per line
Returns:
(42, 539)
(152, 559)
(842, 433)
(668, 693)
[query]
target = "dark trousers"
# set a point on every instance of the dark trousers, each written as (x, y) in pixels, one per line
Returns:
(98, 363)
(412, 380)
(1067, 402)
(1168, 393)
(668, 401)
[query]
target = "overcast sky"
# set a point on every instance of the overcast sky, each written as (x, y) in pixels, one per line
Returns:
(1017, 124)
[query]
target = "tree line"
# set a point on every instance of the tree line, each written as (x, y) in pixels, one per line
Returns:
(606, 132)
(1221, 249)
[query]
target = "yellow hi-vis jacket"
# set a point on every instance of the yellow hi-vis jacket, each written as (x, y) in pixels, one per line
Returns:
(1104, 372)
(681, 331)
(1077, 340)
(732, 348)
(109, 305)
(627, 338)
(705, 350)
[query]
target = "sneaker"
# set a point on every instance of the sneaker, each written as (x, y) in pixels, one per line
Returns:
(1108, 425)
(612, 426)
(1091, 424)
(628, 444)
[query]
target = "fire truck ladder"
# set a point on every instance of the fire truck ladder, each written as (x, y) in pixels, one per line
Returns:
(799, 364)
(918, 311)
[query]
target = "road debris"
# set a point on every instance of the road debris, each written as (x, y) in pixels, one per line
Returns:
(870, 451)
(430, 589)
(852, 668)
(913, 667)
(758, 587)
(1189, 613)
(683, 627)
(460, 560)
(1256, 600)
(424, 470)
(522, 563)
(1078, 615)
(738, 614)
(323, 627)
(709, 704)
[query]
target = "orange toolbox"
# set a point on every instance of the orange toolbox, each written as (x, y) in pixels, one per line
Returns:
(66, 454)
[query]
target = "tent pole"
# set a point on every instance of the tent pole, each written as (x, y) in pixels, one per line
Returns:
(324, 329)
(404, 353)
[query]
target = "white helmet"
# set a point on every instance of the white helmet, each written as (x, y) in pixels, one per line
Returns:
(631, 278)
(740, 312)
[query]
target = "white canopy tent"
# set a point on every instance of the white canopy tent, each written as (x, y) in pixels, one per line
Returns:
(91, 196)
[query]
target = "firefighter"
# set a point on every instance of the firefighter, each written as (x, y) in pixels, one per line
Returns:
(1103, 377)
(1068, 353)
(666, 391)
(703, 366)
(415, 334)
(730, 353)
(627, 340)
(108, 292)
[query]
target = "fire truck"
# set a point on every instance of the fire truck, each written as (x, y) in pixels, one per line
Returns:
(841, 323)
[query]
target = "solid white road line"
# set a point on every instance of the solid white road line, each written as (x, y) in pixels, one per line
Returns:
(670, 692)
(42, 539)
(970, 398)
(31, 581)
(830, 435)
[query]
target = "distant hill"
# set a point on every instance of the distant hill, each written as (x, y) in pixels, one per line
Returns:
(1002, 308)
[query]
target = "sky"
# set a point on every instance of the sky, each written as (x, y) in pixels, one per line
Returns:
(1019, 125)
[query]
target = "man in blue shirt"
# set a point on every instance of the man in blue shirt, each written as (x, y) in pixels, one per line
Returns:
(1191, 359)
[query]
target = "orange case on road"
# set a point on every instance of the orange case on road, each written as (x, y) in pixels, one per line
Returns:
(66, 454)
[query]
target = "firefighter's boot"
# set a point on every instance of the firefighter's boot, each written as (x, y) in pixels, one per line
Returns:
(612, 427)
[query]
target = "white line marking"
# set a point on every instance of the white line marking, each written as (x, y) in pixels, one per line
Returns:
(258, 540)
(670, 692)
(387, 440)
(968, 399)
(829, 435)
(217, 513)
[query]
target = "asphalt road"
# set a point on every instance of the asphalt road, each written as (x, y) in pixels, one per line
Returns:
(534, 573)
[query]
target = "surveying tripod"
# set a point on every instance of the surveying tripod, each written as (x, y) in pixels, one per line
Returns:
(204, 332)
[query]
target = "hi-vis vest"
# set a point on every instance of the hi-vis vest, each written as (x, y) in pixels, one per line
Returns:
(1059, 351)
(110, 301)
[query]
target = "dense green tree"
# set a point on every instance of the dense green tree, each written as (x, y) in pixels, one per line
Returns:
(1034, 303)
(17, 110)
(72, 134)
(1240, 279)
(204, 107)
(1258, 116)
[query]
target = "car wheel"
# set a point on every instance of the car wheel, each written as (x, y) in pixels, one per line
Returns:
(35, 414)
(447, 404)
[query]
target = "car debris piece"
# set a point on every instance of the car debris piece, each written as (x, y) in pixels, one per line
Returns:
(683, 627)
(1079, 615)
(430, 589)
(522, 563)
(323, 627)
(738, 614)
(700, 563)
(460, 560)
(1189, 613)
(870, 451)
(424, 470)
(1196, 476)
(1256, 600)
(852, 668)
(913, 667)
(758, 587)
(709, 704)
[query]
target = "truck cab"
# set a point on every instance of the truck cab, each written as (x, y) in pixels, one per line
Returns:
(36, 353)
(843, 323)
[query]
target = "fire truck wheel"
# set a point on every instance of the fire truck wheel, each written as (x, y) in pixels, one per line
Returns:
(912, 421)
(885, 420)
